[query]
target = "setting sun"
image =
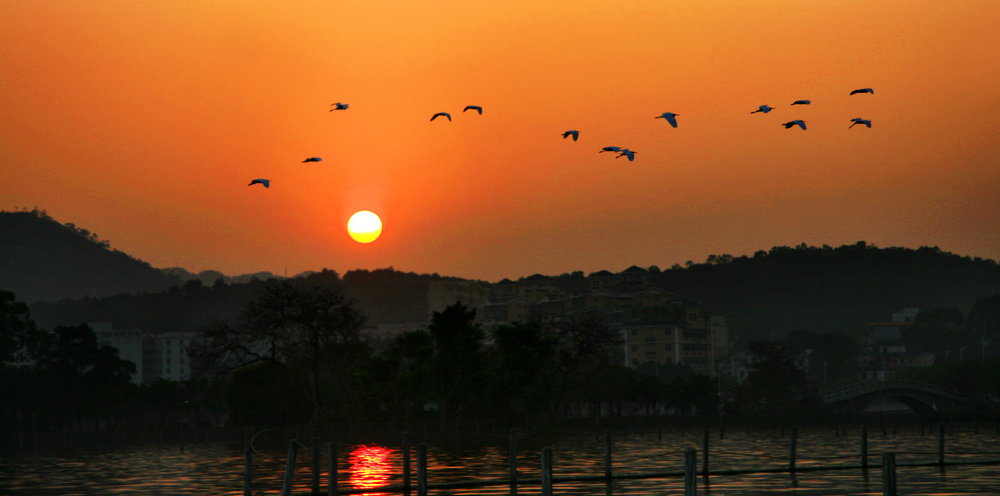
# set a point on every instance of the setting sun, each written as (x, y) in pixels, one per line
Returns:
(364, 227)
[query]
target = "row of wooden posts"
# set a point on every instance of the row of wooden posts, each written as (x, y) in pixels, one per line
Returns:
(690, 472)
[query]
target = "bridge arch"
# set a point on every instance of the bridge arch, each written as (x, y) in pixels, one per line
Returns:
(919, 397)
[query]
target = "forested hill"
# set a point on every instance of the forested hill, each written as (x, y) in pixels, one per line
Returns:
(43, 260)
(830, 289)
(384, 296)
(773, 292)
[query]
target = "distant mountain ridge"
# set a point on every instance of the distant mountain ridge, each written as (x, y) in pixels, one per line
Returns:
(771, 292)
(43, 260)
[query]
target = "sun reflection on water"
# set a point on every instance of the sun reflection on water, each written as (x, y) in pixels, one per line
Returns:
(370, 467)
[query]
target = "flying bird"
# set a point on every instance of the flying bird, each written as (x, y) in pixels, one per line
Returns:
(801, 102)
(627, 153)
(477, 108)
(615, 149)
(312, 159)
(763, 108)
(858, 120)
(446, 114)
(864, 90)
(574, 134)
(797, 122)
(670, 117)
(265, 182)
(340, 106)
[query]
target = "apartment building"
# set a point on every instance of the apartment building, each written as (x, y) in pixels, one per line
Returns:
(654, 324)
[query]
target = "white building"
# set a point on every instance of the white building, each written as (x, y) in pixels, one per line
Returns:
(170, 349)
(127, 341)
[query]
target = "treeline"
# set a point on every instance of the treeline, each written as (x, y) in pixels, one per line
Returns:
(384, 296)
(64, 379)
(829, 289)
(294, 353)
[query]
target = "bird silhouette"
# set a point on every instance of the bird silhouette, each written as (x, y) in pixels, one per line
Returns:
(863, 90)
(858, 120)
(797, 122)
(574, 134)
(627, 153)
(340, 106)
(763, 108)
(801, 102)
(474, 107)
(312, 159)
(446, 114)
(265, 182)
(670, 117)
(615, 149)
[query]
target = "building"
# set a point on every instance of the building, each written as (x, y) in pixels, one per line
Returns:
(656, 327)
(173, 363)
(885, 354)
(156, 356)
(444, 293)
(128, 342)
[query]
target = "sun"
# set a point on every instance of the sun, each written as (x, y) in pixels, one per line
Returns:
(364, 227)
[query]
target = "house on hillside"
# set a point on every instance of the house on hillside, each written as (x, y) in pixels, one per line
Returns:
(884, 353)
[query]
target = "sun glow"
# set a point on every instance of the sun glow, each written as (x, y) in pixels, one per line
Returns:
(364, 227)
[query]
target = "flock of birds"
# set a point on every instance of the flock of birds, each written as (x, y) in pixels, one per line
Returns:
(669, 117)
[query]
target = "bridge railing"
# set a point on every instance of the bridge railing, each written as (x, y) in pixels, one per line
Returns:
(859, 388)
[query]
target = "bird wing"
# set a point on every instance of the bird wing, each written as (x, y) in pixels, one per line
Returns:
(672, 120)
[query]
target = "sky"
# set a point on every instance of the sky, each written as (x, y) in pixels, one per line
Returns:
(144, 122)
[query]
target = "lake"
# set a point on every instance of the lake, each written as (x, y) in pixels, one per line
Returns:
(216, 468)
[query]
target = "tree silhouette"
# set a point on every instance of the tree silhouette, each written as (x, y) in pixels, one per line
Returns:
(457, 366)
(314, 330)
(776, 383)
(523, 370)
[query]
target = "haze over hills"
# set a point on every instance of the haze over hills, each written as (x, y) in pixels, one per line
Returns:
(783, 289)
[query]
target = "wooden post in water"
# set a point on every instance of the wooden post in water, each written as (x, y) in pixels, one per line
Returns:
(406, 462)
(315, 459)
(247, 463)
(331, 467)
(704, 455)
(293, 448)
(791, 449)
(512, 459)
(941, 444)
(547, 471)
(421, 469)
(607, 453)
(864, 447)
(888, 474)
(690, 472)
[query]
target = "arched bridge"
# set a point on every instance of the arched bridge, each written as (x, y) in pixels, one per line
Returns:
(918, 396)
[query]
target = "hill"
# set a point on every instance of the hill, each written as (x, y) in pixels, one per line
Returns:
(43, 260)
(767, 294)
(830, 289)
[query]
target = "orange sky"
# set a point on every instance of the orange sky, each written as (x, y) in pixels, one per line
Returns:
(145, 121)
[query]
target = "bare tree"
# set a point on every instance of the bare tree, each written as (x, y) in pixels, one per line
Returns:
(310, 328)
